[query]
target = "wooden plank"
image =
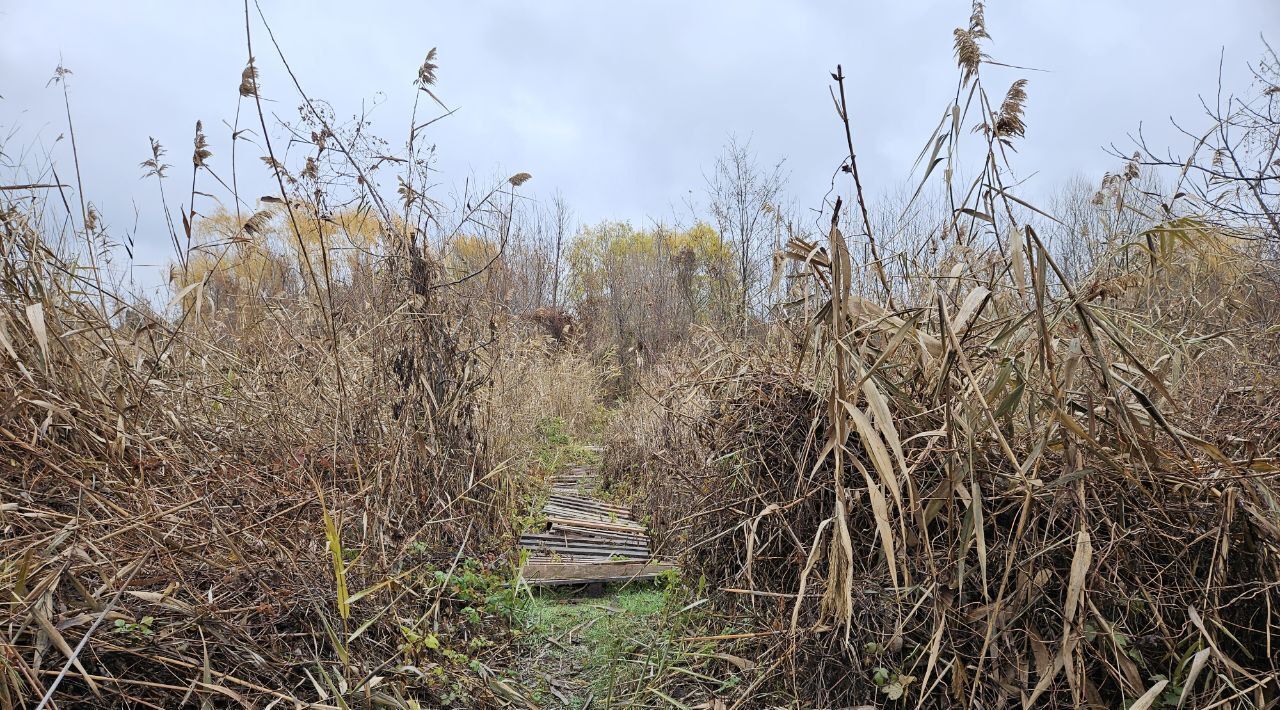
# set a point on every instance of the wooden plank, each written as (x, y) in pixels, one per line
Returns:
(605, 551)
(568, 529)
(539, 573)
(585, 509)
(558, 569)
(559, 511)
(580, 551)
(589, 502)
(555, 509)
(561, 543)
(552, 582)
(571, 545)
(587, 505)
(585, 557)
(558, 520)
(571, 514)
(583, 540)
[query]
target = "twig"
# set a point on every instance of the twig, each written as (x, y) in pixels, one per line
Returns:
(53, 687)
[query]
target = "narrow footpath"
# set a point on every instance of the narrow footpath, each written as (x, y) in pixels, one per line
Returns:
(591, 634)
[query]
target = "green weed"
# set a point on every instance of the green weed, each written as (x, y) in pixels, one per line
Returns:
(611, 648)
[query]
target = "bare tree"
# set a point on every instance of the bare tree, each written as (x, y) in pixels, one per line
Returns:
(744, 197)
(560, 217)
(1091, 221)
(1233, 168)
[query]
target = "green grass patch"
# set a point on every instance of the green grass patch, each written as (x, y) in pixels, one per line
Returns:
(556, 448)
(589, 645)
(610, 650)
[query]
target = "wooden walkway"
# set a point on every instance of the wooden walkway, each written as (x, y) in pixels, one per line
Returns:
(586, 540)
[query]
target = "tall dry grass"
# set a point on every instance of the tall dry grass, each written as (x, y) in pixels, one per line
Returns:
(260, 492)
(977, 482)
(195, 511)
(535, 379)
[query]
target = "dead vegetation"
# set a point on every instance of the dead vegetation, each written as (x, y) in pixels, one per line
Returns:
(260, 493)
(194, 511)
(972, 453)
(981, 483)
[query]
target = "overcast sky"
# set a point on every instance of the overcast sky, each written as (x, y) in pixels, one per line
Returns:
(621, 106)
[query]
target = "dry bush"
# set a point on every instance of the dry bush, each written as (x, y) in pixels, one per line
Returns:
(199, 506)
(261, 493)
(976, 503)
(985, 483)
(533, 379)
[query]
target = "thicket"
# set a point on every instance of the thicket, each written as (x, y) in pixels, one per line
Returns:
(992, 453)
(951, 449)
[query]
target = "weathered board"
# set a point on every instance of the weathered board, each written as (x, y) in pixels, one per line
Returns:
(553, 573)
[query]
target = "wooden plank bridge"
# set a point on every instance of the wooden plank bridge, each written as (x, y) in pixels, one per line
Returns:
(586, 540)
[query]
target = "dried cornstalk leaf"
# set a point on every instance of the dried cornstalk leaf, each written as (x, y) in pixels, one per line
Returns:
(1080, 563)
(876, 449)
(815, 554)
(1147, 699)
(1197, 665)
(884, 526)
(35, 317)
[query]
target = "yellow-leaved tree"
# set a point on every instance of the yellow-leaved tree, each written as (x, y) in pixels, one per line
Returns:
(639, 290)
(242, 261)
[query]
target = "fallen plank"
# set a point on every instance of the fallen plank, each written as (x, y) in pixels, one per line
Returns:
(585, 557)
(590, 502)
(571, 514)
(533, 543)
(604, 553)
(635, 543)
(550, 573)
(558, 520)
(565, 548)
(565, 529)
(588, 506)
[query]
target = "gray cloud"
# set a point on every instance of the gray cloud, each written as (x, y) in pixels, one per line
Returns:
(620, 106)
